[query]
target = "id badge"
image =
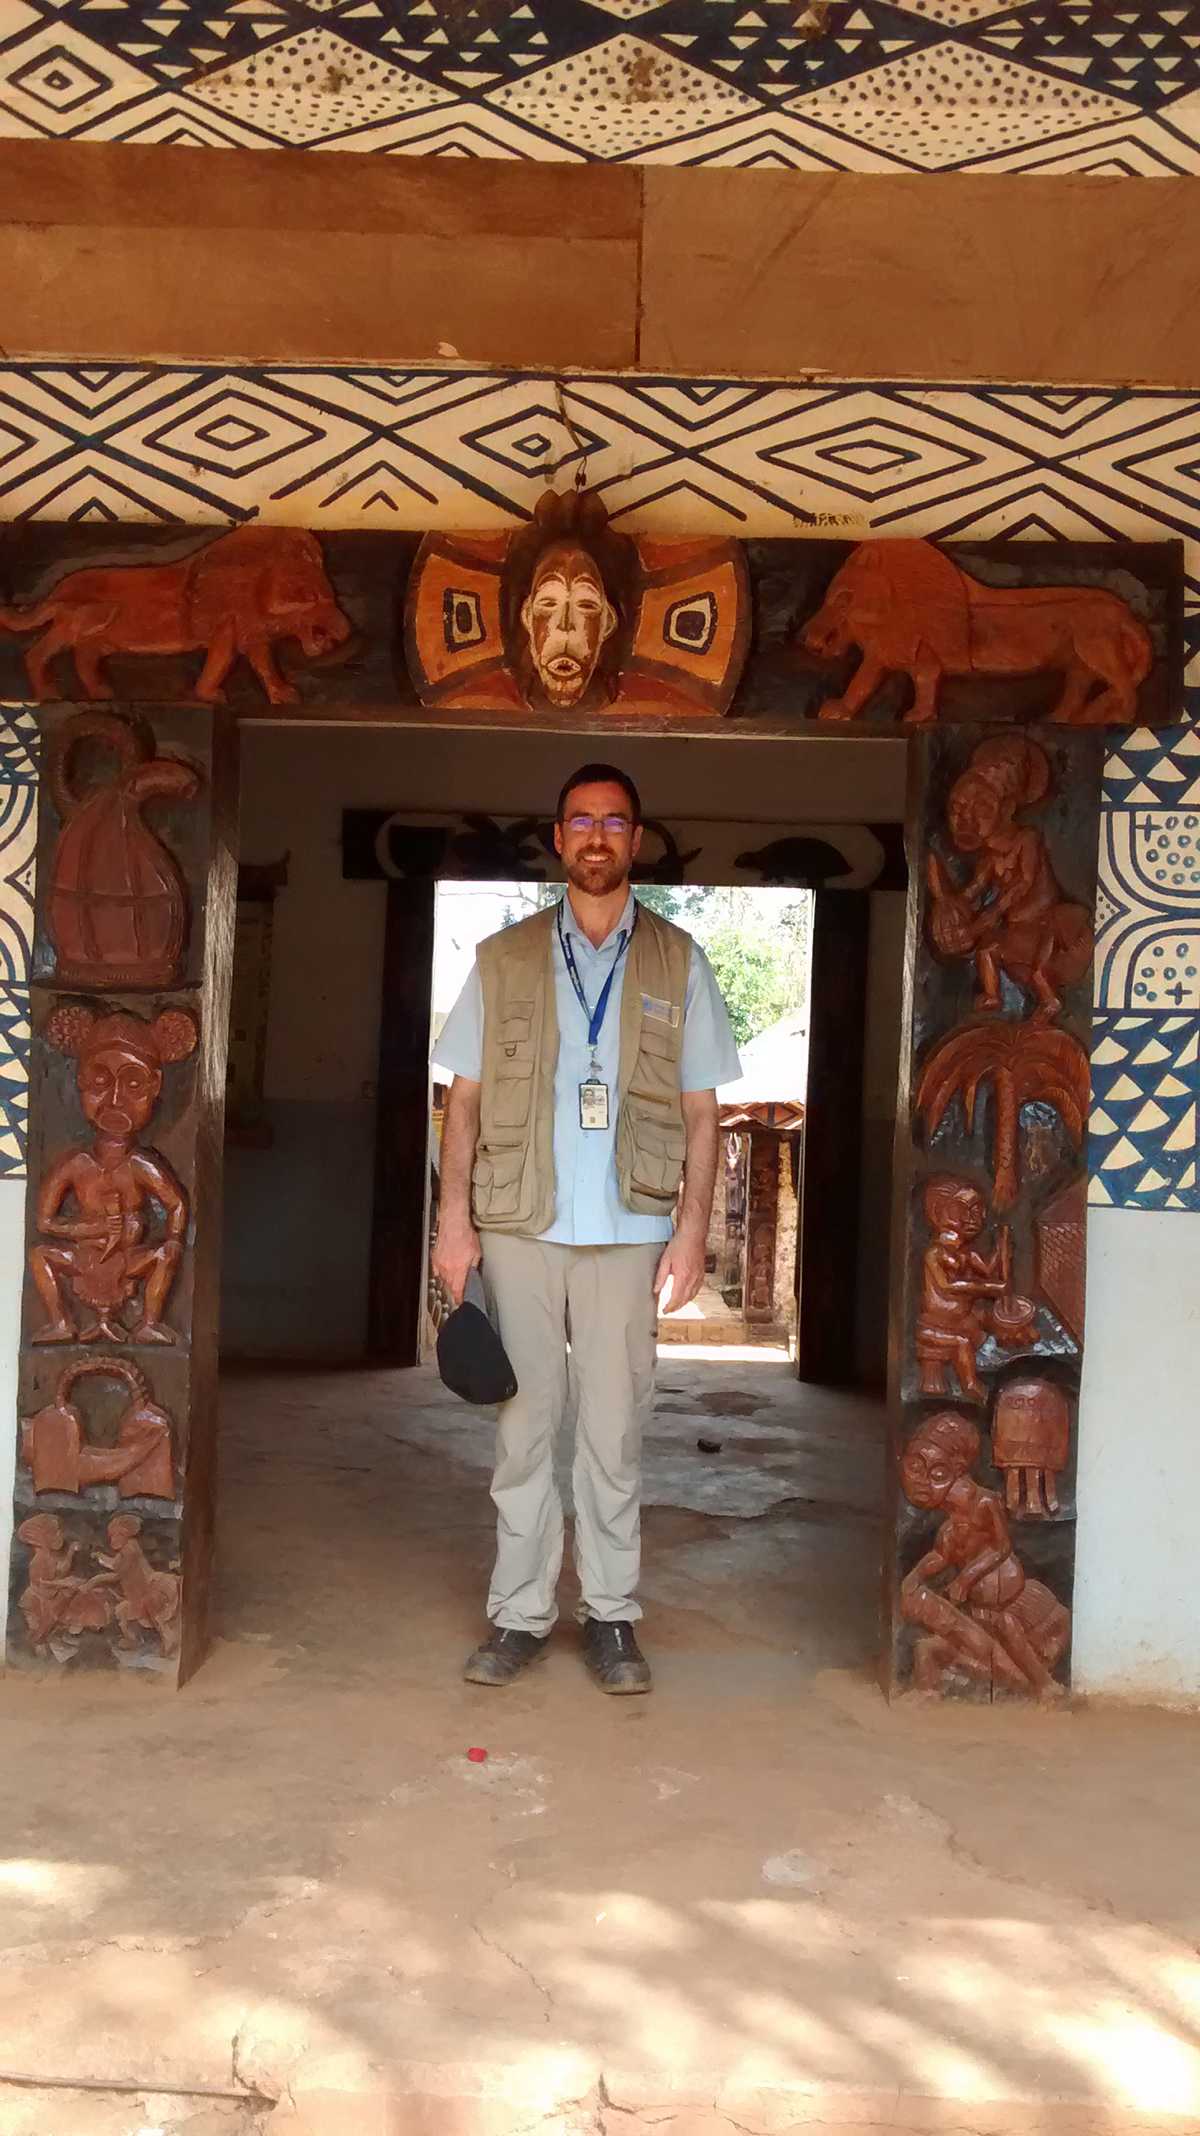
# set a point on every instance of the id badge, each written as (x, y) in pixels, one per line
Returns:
(593, 1105)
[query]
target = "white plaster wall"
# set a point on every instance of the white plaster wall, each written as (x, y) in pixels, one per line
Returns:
(1137, 1605)
(12, 1262)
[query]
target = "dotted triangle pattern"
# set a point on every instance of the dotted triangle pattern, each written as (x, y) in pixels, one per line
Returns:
(1142, 1130)
(1084, 85)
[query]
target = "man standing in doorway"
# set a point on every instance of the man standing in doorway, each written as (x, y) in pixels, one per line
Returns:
(586, 1048)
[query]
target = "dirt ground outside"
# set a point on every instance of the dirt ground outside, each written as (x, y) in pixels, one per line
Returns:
(761, 1899)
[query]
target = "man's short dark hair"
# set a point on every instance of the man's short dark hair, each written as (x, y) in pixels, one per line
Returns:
(601, 775)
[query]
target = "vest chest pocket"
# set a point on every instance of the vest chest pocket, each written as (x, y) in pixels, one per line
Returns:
(512, 1094)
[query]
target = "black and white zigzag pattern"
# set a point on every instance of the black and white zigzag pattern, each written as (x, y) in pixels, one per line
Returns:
(924, 85)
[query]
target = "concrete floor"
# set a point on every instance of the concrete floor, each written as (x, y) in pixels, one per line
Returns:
(761, 1899)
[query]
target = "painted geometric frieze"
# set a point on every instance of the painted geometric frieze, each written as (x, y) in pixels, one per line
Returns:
(188, 446)
(885, 85)
(441, 449)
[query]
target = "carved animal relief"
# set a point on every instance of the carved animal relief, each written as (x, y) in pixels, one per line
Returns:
(238, 598)
(910, 610)
(100, 1271)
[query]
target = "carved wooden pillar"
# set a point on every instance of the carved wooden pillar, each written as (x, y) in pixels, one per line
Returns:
(833, 1130)
(117, 1392)
(762, 1216)
(990, 1186)
(397, 1280)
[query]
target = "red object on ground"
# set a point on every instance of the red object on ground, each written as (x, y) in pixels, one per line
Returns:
(476, 1755)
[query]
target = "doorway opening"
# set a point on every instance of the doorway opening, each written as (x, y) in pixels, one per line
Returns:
(355, 1486)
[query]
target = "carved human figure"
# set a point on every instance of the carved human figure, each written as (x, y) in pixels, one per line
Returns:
(102, 1256)
(988, 1619)
(57, 1604)
(1010, 915)
(1031, 1440)
(55, 1448)
(147, 1597)
(957, 1283)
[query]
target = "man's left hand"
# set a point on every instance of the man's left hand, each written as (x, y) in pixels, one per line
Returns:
(683, 1262)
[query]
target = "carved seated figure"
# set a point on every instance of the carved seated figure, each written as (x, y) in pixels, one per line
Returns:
(57, 1604)
(1011, 915)
(147, 1597)
(988, 1619)
(965, 1295)
(103, 1255)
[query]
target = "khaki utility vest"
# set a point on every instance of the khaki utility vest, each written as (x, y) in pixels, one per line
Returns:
(513, 1184)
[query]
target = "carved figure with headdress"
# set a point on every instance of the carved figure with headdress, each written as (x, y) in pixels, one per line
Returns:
(1010, 915)
(101, 1254)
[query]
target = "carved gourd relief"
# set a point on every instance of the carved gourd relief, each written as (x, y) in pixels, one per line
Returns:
(116, 907)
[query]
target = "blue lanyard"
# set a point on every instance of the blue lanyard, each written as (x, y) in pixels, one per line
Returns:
(594, 1016)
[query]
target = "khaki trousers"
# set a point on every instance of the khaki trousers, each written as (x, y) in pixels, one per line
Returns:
(600, 1299)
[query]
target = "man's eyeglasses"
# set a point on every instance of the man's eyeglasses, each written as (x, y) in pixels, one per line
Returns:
(614, 825)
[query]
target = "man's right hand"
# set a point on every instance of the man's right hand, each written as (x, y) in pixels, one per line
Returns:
(456, 1253)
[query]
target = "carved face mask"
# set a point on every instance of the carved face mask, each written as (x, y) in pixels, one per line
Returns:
(118, 1089)
(567, 617)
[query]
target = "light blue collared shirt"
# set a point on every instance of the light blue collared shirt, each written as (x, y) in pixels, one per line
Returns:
(588, 1208)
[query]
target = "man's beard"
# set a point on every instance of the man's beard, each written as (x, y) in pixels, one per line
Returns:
(596, 877)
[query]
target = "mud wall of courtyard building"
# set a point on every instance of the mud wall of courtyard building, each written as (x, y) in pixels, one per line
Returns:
(455, 448)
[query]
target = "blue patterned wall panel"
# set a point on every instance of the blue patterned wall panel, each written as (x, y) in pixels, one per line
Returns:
(885, 85)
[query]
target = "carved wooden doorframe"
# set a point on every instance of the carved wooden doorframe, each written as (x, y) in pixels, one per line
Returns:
(130, 979)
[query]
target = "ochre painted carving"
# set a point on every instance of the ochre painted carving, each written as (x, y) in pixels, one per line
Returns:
(988, 1620)
(965, 1295)
(115, 907)
(911, 611)
(54, 1441)
(1025, 1064)
(58, 1603)
(1031, 1442)
(146, 1598)
(237, 598)
(566, 614)
(1060, 1254)
(102, 1256)
(1010, 916)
